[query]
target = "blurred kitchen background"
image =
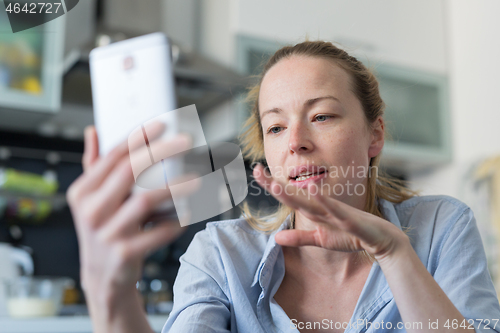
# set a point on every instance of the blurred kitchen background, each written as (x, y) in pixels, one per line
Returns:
(437, 62)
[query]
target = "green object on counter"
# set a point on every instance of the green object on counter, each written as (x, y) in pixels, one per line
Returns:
(29, 209)
(26, 182)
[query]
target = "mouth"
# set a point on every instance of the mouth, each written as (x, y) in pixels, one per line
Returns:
(304, 177)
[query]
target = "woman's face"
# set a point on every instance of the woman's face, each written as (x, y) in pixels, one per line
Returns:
(312, 122)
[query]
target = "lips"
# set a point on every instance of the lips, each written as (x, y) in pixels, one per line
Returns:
(304, 170)
(314, 178)
(299, 178)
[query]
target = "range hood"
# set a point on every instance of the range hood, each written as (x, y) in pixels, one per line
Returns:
(199, 81)
(204, 82)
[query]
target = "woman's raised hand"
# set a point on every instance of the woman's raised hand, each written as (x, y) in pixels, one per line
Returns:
(338, 226)
(109, 220)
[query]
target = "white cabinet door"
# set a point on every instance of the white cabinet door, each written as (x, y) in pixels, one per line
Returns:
(405, 33)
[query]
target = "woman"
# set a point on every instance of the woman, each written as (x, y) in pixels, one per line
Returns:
(318, 111)
(335, 258)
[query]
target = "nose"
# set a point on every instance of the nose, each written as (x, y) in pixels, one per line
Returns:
(299, 141)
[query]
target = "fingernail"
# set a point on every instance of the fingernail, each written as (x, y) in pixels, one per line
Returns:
(87, 131)
(87, 134)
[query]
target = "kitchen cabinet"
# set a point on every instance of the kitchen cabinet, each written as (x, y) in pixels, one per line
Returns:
(405, 33)
(76, 324)
(417, 118)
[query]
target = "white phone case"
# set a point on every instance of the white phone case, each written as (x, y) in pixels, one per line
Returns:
(132, 83)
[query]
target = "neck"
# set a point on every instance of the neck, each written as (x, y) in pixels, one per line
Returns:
(337, 267)
(335, 264)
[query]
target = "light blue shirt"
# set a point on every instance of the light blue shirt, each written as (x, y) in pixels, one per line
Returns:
(230, 273)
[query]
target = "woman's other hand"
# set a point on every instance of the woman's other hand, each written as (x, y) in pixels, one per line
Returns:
(339, 227)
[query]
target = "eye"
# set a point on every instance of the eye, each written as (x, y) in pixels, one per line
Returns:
(321, 118)
(272, 130)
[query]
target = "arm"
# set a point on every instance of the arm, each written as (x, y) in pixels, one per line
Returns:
(464, 278)
(201, 301)
(121, 314)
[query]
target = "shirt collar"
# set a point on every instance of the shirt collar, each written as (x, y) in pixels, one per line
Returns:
(272, 248)
(270, 252)
(389, 212)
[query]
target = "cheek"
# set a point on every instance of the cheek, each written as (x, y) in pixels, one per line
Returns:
(342, 141)
(274, 157)
(347, 145)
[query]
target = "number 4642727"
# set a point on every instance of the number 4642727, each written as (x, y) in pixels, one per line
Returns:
(33, 8)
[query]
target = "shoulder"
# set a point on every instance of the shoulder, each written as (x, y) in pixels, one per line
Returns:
(228, 252)
(432, 222)
(431, 201)
(232, 234)
(227, 245)
(440, 209)
(429, 219)
(232, 227)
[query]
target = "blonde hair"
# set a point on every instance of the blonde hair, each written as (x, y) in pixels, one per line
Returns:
(365, 87)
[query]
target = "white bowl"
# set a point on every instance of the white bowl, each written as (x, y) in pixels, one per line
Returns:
(35, 296)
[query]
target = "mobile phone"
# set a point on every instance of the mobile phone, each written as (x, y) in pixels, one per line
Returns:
(132, 83)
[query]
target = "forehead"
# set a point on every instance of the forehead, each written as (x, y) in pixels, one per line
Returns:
(299, 78)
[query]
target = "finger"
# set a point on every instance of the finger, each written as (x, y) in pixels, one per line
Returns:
(100, 169)
(344, 216)
(96, 168)
(91, 147)
(342, 211)
(156, 150)
(296, 238)
(265, 180)
(117, 186)
(127, 220)
(182, 141)
(104, 165)
(363, 225)
(143, 134)
(290, 195)
(107, 198)
(139, 207)
(155, 238)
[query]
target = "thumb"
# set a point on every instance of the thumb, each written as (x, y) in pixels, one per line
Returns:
(91, 148)
(296, 238)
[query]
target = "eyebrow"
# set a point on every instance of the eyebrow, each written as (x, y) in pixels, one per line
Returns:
(308, 103)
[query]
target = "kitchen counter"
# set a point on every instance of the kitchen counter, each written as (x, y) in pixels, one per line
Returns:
(64, 324)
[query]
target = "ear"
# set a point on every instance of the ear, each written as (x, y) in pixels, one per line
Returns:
(377, 136)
